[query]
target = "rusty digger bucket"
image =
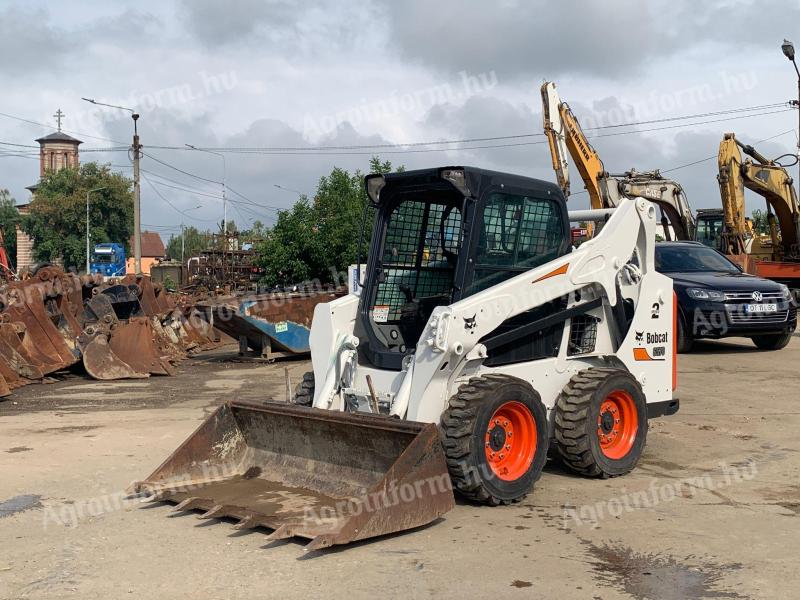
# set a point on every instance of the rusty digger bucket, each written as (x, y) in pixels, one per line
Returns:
(330, 477)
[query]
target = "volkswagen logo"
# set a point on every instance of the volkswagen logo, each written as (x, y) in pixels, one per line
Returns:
(757, 296)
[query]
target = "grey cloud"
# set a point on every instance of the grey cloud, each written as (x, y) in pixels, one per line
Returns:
(646, 151)
(217, 23)
(29, 42)
(618, 38)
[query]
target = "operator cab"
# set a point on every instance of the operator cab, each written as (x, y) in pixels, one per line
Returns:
(441, 235)
(710, 225)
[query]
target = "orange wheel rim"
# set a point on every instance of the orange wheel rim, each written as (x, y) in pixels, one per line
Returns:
(510, 441)
(617, 424)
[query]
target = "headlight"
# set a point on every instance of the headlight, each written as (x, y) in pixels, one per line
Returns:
(703, 294)
(787, 294)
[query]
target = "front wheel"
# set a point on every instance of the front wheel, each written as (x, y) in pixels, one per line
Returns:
(772, 342)
(685, 341)
(601, 422)
(304, 392)
(494, 433)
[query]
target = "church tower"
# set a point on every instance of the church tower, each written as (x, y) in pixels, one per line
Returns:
(56, 151)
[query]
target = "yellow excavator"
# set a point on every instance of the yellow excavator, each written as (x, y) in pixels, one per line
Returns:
(566, 139)
(778, 255)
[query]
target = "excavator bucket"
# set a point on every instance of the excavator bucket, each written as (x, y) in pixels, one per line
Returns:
(102, 364)
(133, 341)
(330, 477)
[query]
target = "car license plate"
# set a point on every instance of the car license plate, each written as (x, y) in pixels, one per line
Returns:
(760, 308)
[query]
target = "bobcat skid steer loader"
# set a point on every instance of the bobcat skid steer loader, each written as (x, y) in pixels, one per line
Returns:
(481, 338)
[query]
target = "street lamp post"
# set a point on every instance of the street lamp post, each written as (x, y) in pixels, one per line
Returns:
(137, 187)
(788, 52)
(224, 195)
(88, 265)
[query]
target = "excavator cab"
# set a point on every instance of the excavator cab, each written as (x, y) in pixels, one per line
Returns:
(710, 225)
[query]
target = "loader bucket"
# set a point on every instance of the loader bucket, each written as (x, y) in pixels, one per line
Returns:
(330, 477)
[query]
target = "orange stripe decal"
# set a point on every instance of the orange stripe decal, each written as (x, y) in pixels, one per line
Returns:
(559, 271)
(641, 354)
(674, 341)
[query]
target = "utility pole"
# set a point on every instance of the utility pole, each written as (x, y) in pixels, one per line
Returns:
(788, 52)
(137, 187)
(88, 265)
(137, 199)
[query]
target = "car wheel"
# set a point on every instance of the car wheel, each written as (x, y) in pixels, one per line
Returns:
(772, 342)
(685, 339)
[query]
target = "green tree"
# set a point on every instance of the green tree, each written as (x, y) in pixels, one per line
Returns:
(317, 239)
(57, 216)
(195, 242)
(9, 218)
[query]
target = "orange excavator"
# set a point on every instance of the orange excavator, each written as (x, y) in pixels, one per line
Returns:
(566, 139)
(778, 257)
(6, 270)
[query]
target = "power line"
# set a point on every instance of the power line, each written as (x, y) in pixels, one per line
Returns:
(315, 152)
(19, 145)
(702, 160)
(64, 130)
(311, 149)
(176, 209)
(175, 187)
(175, 181)
(181, 170)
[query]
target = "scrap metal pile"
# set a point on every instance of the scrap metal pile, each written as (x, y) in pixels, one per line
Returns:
(124, 328)
(273, 324)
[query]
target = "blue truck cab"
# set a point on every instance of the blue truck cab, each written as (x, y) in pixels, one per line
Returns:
(108, 259)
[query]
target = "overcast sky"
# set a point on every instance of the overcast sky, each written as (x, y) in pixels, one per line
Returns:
(255, 73)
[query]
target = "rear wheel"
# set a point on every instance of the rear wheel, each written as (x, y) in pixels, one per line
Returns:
(772, 342)
(304, 392)
(494, 434)
(601, 422)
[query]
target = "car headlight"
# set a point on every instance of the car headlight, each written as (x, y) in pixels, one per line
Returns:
(787, 294)
(703, 294)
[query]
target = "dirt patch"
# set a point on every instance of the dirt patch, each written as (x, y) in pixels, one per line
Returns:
(66, 429)
(648, 576)
(74, 393)
(16, 449)
(519, 583)
(19, 504)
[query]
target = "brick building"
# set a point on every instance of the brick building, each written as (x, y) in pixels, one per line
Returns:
(56, 151)
(152, 251)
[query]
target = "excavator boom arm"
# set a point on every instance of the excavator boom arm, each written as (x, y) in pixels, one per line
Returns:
(565, 135)
(731, 190)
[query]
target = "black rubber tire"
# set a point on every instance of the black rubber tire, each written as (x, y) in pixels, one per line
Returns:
(464, 425)
(577, 413)
(772, 342)
(685, 341)
(304, 392)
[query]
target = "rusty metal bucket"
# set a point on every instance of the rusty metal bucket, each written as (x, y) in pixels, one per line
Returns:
(133, 341)
(101, 363)
(330, 477)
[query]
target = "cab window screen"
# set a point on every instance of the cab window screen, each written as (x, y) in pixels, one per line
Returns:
(518, 234)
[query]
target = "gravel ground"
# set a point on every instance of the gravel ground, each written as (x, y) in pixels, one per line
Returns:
(72, 447)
